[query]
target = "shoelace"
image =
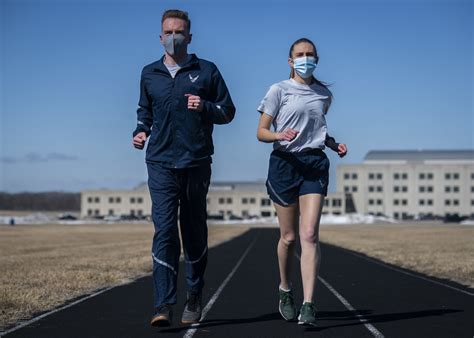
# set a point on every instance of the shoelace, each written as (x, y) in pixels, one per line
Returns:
(287, 298)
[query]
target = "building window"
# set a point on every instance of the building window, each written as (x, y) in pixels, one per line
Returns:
(89, 212)
(447, 189)
(456, 202)
(396, 176)
(97, 200)
(371, 176)
(430, 188)
(472, 176)
(326, 202)
(396, 202)
(404, 176)
(404, 188)
(118, 200)
(421, 202)
(429, 176)
(96, 212)
(396, 215)
(421, 189)
(354, 189)
(447, 176)
(111, 212)
(379, 188)
(472, 202)
(132, 212)
(221, 200)
(456, 176)
(396, 188)
(140, 200)
(89, 199)
(111, 200)
(447, 202)
(346, 189)
(421, 176)
(346, 176)
(379, 176)
(266, 213)
(245, 200)
(354, 176)
(336, 202)
(371, 202)
(371, 189)
(245, 213)
(404, 202)
(229, 200)
(140, 212)
(265, 202)
(252, 200)
(455, 189)
(379, 202)
(132, 199)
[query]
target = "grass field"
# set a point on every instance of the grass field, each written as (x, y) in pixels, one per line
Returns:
(45, 265)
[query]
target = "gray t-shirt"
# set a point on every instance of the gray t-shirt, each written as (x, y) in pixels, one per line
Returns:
(300, 107)
(173, 69)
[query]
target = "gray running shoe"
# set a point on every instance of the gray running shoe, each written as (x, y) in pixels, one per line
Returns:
(193, 309)
(287, 305)
(162, 316)
(307, 314)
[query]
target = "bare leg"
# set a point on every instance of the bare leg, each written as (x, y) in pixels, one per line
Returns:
(288, 220)
(310, 209)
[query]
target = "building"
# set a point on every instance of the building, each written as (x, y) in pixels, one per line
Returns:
(225, 200)
(105, 202)
(407, 184)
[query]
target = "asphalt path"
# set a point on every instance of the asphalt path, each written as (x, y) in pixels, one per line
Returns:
(356, 296)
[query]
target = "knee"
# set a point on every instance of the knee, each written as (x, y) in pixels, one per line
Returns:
(309, 235)
(288, 239)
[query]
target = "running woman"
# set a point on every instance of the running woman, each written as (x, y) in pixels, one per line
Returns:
(298, 171)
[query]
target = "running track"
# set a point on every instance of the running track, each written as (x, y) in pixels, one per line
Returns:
(357, 296)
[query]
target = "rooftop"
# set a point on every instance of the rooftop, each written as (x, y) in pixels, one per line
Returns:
(419, 155)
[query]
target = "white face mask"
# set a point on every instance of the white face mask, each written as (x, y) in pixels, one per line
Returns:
(305, 66)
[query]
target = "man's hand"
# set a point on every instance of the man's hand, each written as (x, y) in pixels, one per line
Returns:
(287, 135)
(139, 140)
(194, 102)
(342, 150)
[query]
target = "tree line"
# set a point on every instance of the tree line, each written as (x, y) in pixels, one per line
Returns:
(41, 201)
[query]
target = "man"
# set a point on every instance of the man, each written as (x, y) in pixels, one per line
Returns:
(181, 98)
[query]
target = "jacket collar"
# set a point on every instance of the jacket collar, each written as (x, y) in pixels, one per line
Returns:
(160, 65)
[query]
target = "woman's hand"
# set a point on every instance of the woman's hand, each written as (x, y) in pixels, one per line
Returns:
(342, 150)
(287, 135)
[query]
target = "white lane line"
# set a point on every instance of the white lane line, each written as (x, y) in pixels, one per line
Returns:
(194, 327)
(405, 272)
(360, 317)
(3, 333)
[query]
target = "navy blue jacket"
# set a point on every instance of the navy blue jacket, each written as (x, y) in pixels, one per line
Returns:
(179, 137)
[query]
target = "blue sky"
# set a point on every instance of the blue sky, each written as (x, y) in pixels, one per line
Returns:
(401, 73)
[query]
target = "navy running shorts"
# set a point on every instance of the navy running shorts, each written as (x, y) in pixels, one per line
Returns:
(291, 175)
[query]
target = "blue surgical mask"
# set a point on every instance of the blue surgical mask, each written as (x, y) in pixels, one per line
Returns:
(305, 66)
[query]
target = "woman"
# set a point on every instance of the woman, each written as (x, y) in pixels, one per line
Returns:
(298, 171)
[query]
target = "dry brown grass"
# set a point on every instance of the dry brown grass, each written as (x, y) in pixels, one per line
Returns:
(45, 265)
(441, 250)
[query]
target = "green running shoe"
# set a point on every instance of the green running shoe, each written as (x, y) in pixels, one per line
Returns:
(287, 306)
(307, 314)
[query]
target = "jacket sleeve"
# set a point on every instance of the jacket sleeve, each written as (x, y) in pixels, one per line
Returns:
(330, 142)
(144, 112)
(219, 109)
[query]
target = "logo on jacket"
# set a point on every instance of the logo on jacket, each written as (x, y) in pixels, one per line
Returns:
(193, 79)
